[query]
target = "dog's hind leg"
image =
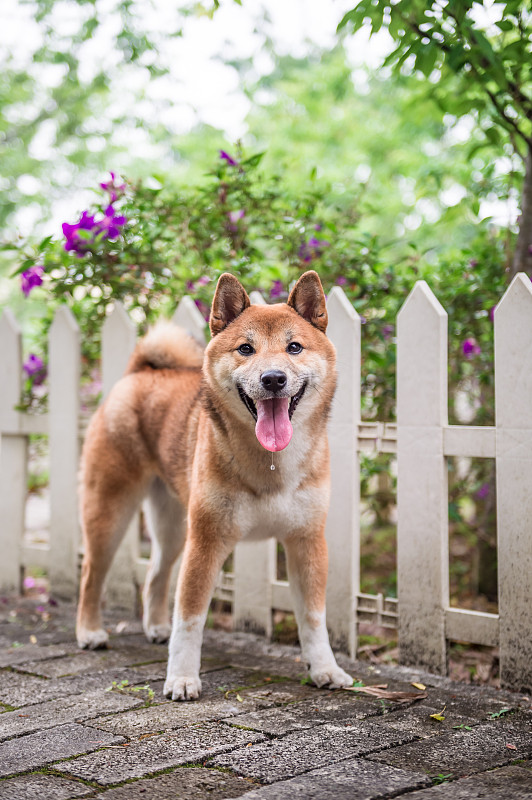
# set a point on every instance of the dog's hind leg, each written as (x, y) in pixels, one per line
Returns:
(166, 518)
(111, 490)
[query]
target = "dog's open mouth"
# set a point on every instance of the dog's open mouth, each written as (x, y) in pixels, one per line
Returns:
(273, 418)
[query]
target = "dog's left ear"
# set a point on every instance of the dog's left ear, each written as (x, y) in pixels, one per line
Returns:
(308, 299)
(230, 300)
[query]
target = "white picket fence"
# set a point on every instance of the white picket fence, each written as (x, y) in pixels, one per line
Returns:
(422, 440)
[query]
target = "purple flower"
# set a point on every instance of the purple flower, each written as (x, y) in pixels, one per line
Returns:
(34, 368)
(75, 241)
(277, 289)
(311, 249)
(483, 491)
(492, 313)
(470, 348)
(341, 281)
(203, 281)
(228, 159)
(191, 286)
(31, 278)
(235, 216)
(387, 331)
(81, 236)
(110, 225)
(29, 582)
(116, 190)
(204, 308)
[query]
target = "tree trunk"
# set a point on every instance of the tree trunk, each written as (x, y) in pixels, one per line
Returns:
(522, 260)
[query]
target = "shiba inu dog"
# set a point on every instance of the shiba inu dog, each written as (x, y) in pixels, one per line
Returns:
(194, 433)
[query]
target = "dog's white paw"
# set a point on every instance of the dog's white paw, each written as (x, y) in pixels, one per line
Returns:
(331, 676)
(182, 687)
(158, 633)
(91, 640)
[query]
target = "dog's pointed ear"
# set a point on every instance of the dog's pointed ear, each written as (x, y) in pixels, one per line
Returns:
(230, 300)
(308, 299)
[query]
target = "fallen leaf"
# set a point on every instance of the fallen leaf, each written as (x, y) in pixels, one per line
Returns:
(420, 686)
(33, 639)
(439, 716)
(511, 747)
(239, 698)
(380, 691)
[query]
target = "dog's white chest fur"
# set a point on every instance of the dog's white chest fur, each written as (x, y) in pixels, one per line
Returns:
(279, 514)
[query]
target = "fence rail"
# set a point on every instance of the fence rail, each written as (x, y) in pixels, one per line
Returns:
(422, 440)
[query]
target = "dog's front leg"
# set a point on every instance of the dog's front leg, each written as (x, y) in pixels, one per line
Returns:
(203, 559)
(306, 555)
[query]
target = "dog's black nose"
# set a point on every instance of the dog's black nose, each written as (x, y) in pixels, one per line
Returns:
(274, 380)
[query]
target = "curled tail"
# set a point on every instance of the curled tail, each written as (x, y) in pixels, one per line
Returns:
(166, 346)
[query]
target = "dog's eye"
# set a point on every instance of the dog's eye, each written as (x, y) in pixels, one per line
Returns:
(294, 348)
(246, 350)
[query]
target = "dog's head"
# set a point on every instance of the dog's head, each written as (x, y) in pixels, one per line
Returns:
(271, 364)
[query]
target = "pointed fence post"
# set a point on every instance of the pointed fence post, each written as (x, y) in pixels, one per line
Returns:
(13, 455)
(343, 519)
(254, 568)
(118, 342)
(513, 404)
(188, 316)
(64, 377)
(422, 496)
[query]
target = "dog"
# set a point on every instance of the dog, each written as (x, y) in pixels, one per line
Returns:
(196, 433)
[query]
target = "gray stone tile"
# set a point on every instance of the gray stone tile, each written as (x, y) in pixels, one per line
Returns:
(334, 708)
(186, 783)
(35, 750)
(45, 787)
(509, 783)
(170, 716)
(306, 750)
(222, 696)
(76, 708)
(19, 689)
(140, 758)
(355, 779)
(94, 661)
(466, 706)
(32, 653)
(462, 752)
(417, 719)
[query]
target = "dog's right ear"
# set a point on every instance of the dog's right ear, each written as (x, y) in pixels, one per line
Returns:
(230, 300)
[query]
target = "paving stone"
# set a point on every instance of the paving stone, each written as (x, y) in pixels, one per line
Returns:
(465, 706)
(76, 708)
(417, 719)
(94, 661)
(219, 699)
(148, 755)
(45, 787)
(306, 750)
(19, 689)
(186, 783)
(463, 752)
(509, 783)
(37, 750)
(307, 714)
(31, 653)
(355, 779)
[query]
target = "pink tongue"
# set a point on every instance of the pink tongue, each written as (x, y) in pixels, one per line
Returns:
(273, 428)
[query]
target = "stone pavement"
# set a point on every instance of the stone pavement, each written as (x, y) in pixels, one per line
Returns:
(96, 724)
